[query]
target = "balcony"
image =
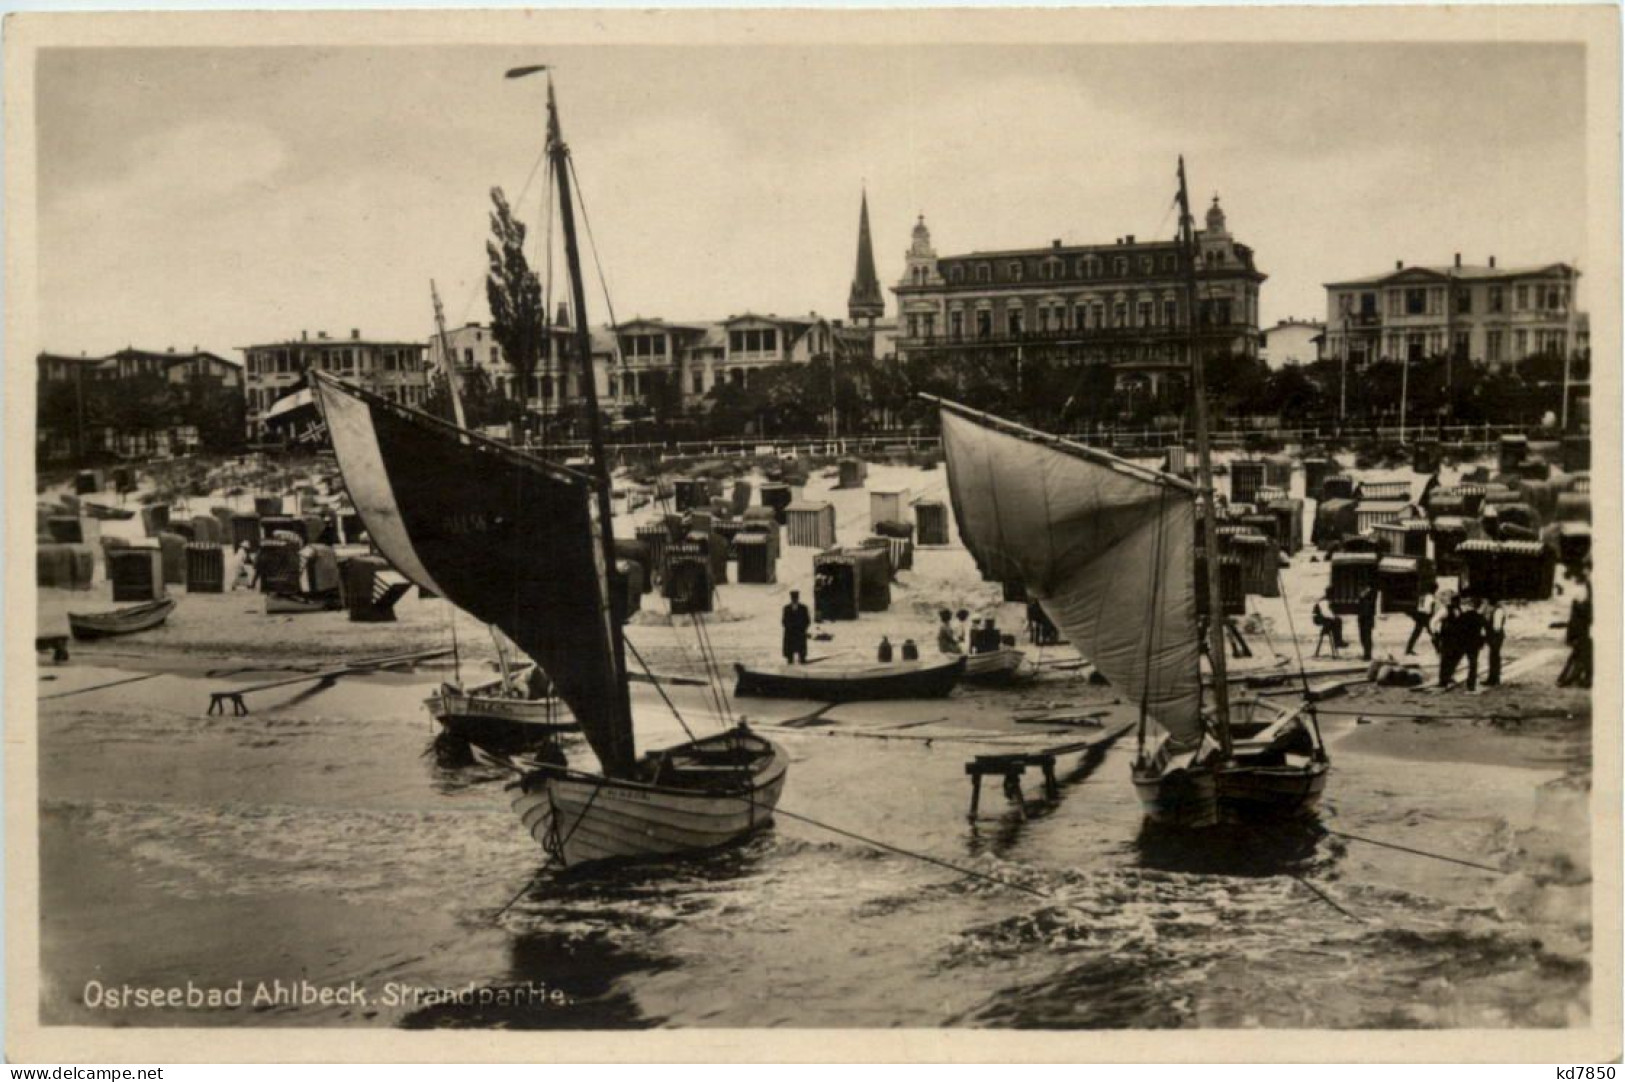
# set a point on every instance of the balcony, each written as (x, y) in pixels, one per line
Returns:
(1088, 336)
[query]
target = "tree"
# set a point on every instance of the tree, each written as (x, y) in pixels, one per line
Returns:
(483, 403)
(514, 293)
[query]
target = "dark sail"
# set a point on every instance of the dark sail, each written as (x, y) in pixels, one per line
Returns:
(507, 537)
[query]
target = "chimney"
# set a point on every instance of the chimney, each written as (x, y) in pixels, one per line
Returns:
(304, 336)
(1056, 243)
(1458, 261)
(172, 349)
(1129, 239)
(355, 334)
(1399, 264)
(1492, 262)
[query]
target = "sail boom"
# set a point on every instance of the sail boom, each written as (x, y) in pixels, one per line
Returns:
(1062, 444)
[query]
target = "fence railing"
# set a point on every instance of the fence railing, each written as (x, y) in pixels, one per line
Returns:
(1126, 438)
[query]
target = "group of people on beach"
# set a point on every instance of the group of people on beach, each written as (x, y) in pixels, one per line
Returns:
(957, 633)
(1459, 628)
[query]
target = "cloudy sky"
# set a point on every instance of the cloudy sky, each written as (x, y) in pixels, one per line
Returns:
(222, 197)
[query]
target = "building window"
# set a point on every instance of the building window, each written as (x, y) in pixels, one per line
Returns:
(984, 272)
(1120, 266)
(1497, 299)
(957, 275)
(1495, 347)
(929, 324)
(1521, 299)
(1015, 272)
(913, 325)
(1146, 264)
(1120, 314)
(1170, 313)
(1013, 320)
(984, 323)
(699, 381)
(1520, 344)
(1168, 264)
(956, 325)
(468, 355)
(1461, 345)
(1416, 302)
(1080, 316)
(1146, 308)
(614, 387)
(1464, 303)
(1554, 299)
(1100, 314)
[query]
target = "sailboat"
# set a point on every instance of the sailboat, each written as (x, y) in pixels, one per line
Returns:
(1108, 547)
(527, 545)
(516, 714)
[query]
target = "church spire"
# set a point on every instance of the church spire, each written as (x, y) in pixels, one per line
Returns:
(865, 301)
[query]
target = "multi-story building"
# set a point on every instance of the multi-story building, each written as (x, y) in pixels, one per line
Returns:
(643, 360)
(1291, 341)
(394, 369)
(1124, 304)
(160, 402)
(1497, 315)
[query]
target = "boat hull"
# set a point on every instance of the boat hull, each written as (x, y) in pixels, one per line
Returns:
(500, 726)
(994, 668)
(128, 621)
(907, 680)
(1182, 798)
(1279, 791)
(582, 819)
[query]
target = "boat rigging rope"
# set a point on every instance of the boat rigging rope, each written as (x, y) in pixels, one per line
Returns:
(557, 853)
(1297, 647)
(661, 689)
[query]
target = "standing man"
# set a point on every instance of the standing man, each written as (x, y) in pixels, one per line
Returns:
(1577, 670)
(796, 620)
(1422, 616)
(1366, 617)
(1471, 630)
(1449, 642)
(1495, 635)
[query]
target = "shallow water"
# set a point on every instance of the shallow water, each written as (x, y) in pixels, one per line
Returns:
(313, 841)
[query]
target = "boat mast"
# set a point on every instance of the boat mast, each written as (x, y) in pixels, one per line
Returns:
(446, 359)
(1204, 477)
(559, 159)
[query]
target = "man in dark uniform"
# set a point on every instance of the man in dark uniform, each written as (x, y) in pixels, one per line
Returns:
(1366, 617)
(796, 621)
(1471, 632)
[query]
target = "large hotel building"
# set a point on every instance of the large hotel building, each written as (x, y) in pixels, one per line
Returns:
(1123, 304)
(1496, 315)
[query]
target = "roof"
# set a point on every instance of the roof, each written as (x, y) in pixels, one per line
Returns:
(166, 356)
(665, 324)
(326, 342)
(798, 321)
(1450, 271)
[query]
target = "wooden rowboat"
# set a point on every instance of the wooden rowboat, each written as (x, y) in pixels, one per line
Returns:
(700, 796)
(1279, 766)
(902, 680)
(994, 667)
(501, 725)
(125, 621)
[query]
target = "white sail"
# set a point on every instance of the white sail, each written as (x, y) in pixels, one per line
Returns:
(1107, 548)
